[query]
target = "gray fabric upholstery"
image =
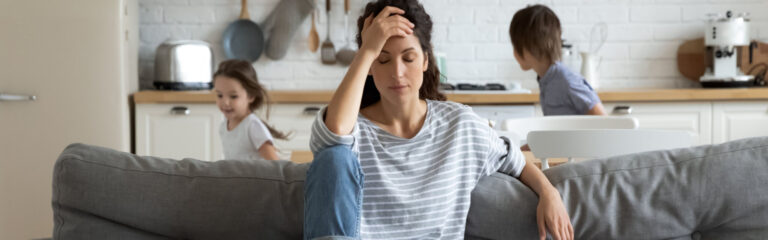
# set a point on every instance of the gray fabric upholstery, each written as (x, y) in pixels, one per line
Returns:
(100, 193)
(710, 192)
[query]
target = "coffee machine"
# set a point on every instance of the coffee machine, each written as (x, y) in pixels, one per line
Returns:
(723, 37)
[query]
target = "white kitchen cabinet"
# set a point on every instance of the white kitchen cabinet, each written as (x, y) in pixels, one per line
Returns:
(693, 117)
(160, 132)
(736, 120)
(179, 131)
(192, 130)
(295, 119)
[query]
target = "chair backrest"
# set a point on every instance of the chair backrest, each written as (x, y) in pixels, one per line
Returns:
(596, 143)
(517, 129)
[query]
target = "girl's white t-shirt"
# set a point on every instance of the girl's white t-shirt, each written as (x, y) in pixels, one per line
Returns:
(243, 142)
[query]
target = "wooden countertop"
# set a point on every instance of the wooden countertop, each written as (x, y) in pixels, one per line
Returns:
(650, 95)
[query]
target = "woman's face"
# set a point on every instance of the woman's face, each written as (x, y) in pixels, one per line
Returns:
(398, 71)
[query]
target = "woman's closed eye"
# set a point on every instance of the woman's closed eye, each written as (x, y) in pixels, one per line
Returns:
(410, 56)
(383, 60)
(406, 58)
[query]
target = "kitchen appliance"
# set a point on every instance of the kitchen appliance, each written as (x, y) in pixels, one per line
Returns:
(723, 35)
(72, 61)
(183, 65)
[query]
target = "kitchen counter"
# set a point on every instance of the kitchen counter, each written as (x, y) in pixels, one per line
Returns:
(651, 95)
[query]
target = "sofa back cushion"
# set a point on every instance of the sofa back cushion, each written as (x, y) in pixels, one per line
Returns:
(150, 196)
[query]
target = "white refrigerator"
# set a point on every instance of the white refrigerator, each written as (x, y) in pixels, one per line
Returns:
(78, 60)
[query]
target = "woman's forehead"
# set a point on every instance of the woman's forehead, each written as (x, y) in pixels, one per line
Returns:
(396, 44)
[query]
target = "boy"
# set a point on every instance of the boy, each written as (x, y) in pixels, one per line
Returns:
(535, 34)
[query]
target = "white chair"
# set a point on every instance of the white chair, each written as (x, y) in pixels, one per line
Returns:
(517, 129)
(597, 143)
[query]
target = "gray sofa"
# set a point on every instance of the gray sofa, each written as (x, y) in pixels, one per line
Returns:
(708, 192)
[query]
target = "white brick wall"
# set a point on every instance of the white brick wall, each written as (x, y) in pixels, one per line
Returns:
(643, 36)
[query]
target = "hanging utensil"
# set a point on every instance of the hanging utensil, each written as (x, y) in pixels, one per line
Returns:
(314, 39)
(597, 36)
(347, 53)
(328, 51)
(243, 39)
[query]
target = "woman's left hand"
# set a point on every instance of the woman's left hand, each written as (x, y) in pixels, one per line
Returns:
(552, 216)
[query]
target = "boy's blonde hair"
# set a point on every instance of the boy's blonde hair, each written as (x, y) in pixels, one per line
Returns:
(536, 29)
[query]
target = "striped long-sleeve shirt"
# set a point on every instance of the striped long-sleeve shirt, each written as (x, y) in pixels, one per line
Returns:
(420, 188)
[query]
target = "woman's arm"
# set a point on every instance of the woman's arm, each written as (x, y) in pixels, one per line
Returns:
(268, 151)
(341, 114)
(550, 213)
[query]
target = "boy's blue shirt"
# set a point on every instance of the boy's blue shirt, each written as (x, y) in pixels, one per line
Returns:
(563, 92)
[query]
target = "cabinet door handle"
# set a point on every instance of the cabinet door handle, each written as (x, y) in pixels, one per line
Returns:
(622, 110)
(15, 97)
(180, 110)
(311, 111)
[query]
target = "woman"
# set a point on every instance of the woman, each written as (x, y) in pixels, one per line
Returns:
(392, 158)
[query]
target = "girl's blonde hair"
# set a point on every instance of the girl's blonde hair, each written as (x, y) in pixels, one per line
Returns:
(243, 72)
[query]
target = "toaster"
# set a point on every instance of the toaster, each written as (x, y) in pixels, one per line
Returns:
(183, 65)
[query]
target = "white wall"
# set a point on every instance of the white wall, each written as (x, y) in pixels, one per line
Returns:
(643, 36)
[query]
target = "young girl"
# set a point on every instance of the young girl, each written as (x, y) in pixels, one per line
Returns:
(238, 94)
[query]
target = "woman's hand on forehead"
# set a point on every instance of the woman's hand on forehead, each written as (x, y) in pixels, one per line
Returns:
(388, 23)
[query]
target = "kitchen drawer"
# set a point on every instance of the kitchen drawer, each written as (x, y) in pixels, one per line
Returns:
(693, 117)
(179, 131)
(296, 119)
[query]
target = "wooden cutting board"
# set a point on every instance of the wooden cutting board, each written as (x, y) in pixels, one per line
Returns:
(692, 58)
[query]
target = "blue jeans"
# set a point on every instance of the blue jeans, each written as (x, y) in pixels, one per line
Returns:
(333, 195)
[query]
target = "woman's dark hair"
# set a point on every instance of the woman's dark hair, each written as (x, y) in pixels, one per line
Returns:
(243, 72)
(415, 13)
(536, 29)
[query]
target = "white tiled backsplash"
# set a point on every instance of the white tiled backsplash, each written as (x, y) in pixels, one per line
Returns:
(643, 36)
